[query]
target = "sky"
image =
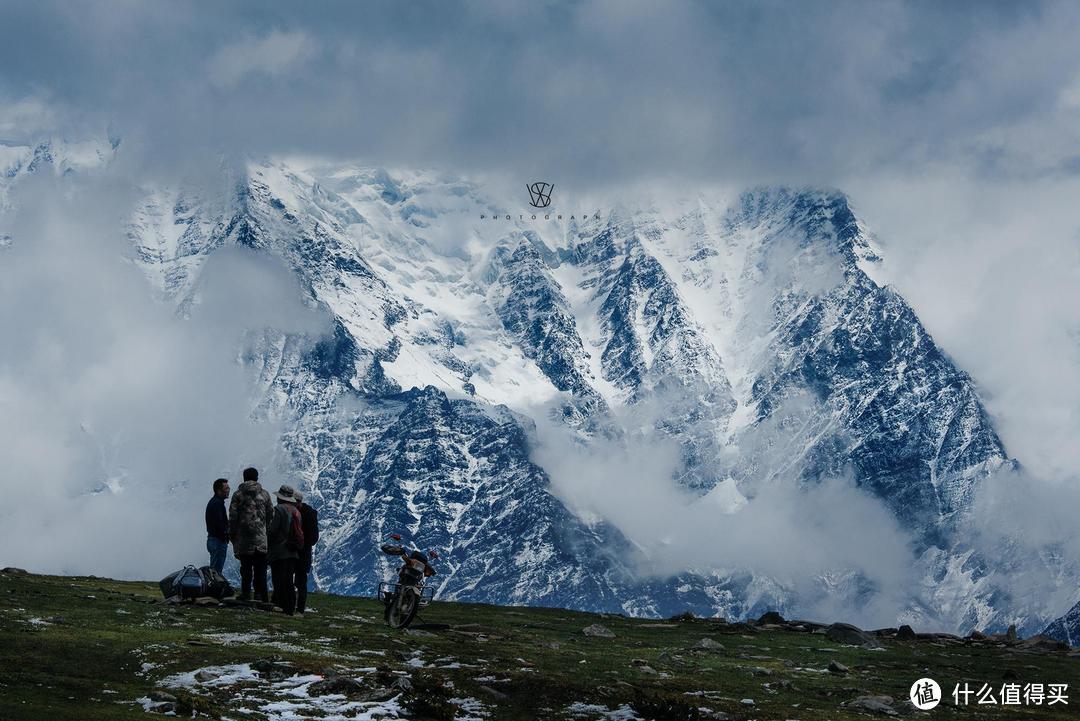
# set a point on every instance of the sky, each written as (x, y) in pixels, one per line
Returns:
(954, 128)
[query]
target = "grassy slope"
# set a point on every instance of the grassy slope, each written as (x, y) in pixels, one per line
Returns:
(93, 646)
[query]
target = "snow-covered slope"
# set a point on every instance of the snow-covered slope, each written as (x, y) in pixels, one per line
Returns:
(755, 323)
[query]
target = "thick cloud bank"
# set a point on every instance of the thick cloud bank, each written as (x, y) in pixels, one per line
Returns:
(116, 413)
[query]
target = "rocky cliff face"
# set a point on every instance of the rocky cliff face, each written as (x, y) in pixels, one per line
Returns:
(755, 324)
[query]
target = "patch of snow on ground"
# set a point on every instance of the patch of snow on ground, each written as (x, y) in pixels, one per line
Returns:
(286, 700)
(472, 708)
(598, 711)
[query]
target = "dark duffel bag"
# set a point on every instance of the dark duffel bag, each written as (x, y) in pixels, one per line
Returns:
(214, 584)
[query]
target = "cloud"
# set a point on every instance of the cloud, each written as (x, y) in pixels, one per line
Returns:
(25, 117)
(116, 413)
(993, 270)
(271, 55)
(794, 534)
(597, 91)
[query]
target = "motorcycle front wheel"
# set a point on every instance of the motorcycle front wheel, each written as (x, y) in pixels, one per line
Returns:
(402, 607)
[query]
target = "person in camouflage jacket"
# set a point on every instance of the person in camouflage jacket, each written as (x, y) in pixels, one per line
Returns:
(250, 511)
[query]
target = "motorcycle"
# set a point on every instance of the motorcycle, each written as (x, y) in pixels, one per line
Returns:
(402, 600)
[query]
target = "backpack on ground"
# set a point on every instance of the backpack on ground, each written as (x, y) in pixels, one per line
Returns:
(295, 539)
(185, 583)
(214, 584)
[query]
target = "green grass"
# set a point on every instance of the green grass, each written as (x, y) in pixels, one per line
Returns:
(87, 662)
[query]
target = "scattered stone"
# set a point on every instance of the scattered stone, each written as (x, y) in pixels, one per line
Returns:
(159, 696)
(747, 702)
(402, 683)
(905, 633)
(419, 634)
(335, 684)
(207, 601)
(204, 675)
(273, 669)
(495, 694)
(709, 645)
(838, 668)
(851, 635)
(760, 671)
(873, 704)
(379, 695)
(598, 631)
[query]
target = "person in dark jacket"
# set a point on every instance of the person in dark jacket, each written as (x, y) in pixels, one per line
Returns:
(309, 518)
(217, 525)
(249, 514)
(282, 553)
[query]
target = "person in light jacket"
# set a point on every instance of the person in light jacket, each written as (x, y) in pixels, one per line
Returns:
(250, 511)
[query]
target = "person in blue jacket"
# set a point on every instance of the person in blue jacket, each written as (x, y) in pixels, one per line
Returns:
(217, 525)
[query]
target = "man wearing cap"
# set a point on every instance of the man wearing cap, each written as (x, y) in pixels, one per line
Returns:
(285, 539)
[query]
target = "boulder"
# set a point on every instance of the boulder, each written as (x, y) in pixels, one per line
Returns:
(874, 704)
(379, 695)
(850, 635)
(838, 668)
(333, 685)
(771, 617)
(598, 631)
(905, 633)
(709, 646)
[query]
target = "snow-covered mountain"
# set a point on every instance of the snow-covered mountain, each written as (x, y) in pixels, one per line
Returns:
(1066, 628)
(755, 322)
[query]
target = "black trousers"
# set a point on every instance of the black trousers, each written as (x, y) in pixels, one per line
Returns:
(253, 569)
(303, 568)
(283, 570)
